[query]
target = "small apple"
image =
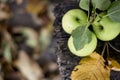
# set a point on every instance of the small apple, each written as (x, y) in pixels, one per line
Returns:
(72, 19)
(86, 50)
(104, 28)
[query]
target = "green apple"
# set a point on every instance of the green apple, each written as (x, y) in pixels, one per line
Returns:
(86, 50)
(104, 28)
(72, 19)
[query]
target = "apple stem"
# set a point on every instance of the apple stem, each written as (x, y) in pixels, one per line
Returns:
(92, 15)
(106, 47)
(114, 48)
(103, 51)
(90, 10)
(108, 55)
(108, 50)
(88, 24)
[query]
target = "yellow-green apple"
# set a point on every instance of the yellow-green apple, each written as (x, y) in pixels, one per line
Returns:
(86, 50)
(72, 19)
(104, 28)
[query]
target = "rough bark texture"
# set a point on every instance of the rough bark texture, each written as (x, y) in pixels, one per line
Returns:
(66, 60)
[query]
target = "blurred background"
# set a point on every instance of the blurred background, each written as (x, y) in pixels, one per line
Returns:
(26, 52)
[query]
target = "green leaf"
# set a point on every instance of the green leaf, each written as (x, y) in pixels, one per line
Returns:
(81, 36)
(101, 4)
(114, 11)
(7, 53)
(84, 4)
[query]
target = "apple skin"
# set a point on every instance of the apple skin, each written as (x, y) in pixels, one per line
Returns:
(72, 19)
(86, 50)
(105, 29)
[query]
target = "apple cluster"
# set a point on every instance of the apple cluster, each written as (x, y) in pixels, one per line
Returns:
(103, 28)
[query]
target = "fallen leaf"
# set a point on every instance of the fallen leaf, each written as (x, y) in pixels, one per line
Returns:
(35, 6)
(29, 68)
(91, 68)
(19, 2)
(32, 37)
(7, 53)
(4, 15)
(114, 65)
(1, 77)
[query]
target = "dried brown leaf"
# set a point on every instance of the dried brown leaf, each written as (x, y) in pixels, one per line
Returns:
(19, 2)
(4, 15)
(29, 68)
(91, 68)
(1, 77)
(114, 65)
(35, 7)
